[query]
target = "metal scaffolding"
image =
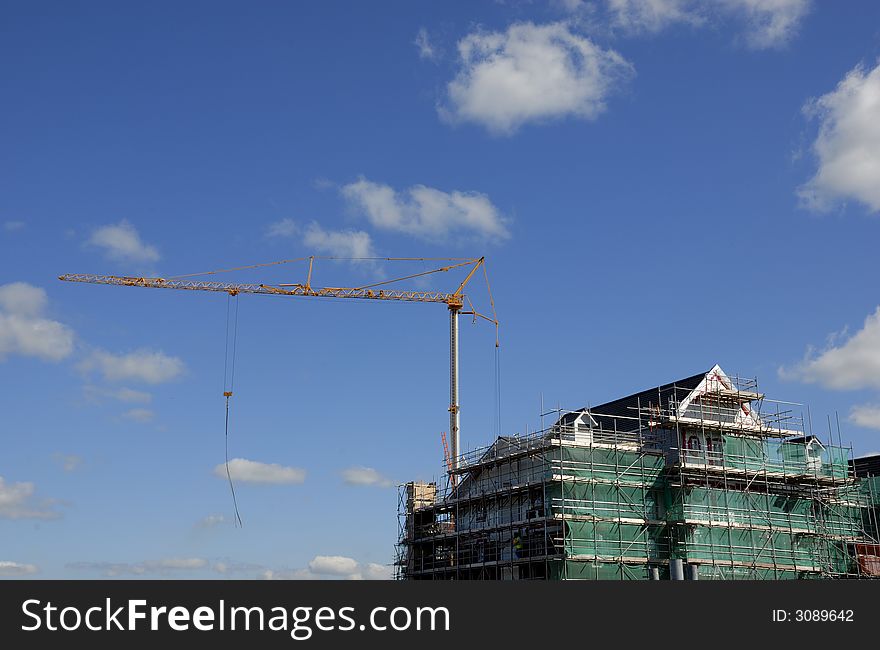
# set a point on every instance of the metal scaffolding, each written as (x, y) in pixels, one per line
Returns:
(708, 480)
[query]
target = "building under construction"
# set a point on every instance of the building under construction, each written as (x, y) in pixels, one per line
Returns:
(702, 478)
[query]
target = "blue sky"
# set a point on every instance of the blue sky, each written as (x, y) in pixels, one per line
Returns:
(657, 185)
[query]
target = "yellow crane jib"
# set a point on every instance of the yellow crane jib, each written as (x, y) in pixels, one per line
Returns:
(455, 301)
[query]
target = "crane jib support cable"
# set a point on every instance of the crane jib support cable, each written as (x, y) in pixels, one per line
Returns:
(382, 289)
(227, 394)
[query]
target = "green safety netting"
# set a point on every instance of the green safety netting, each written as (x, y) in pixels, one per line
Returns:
(603, 500)
(749, 546)
(736, 507)
(614, 540)
(870, 488)
(719, 572)
(612, 501)
(576, 570)
(601, 463)
(774, 456)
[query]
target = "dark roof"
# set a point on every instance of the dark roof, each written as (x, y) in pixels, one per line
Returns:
(806, 440)
(866, 465)
(615, 414)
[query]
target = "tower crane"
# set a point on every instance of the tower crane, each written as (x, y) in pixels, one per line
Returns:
(456, 301)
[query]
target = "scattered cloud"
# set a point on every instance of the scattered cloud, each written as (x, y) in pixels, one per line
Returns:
(126, 395)
(766, 24)
(69, 462)
(122, 242)
(227, 568)
(148, 366)
(531, 73)
(18, 501)
(139, 415)
(288, 574)
(250, 471)
(23, 299)
(427, 50)
(25, 331)
(16, 570)
(652, 15)
(13, 226)
(211, 521)
(283, 228)
(321, 567)
(866, 415)
(851, 364)
(847, 146)
(339, 243)
(177, 564)
(426, 212)
(770, 24)
(336, 565)
(346, 567)
(322, 183)
(373, 571)
(151, 567)
(365, 476)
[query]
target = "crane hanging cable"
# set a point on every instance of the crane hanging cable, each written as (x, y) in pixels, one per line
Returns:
(227, 393)
(383, 289)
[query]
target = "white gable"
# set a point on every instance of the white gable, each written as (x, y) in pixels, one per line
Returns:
(718, 385)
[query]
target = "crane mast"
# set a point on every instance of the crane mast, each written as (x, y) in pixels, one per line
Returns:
(455, 302)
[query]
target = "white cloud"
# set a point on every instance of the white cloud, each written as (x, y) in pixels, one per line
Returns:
(851, 365)
(652, 15)
(283, 228)
(17, 501)
(427, 50)
(250, 471)
(866, 415)
(151, 367)
(339, 243)
(126, 395)
(122, 241)
(365, 476)
(847, 147)
(139, 415)
(69, 462)
(770, 23)
(531, 73)
(336, 565)
(426, 212)
(154, 567)
(227, 568)
(177, 563)
(321, 567)
(23, 299)
(109, 569)
(211, 520)
(374, 571)
(13, 226)
(23, 328)
(346, 567)
(16, 570)
(288, 574)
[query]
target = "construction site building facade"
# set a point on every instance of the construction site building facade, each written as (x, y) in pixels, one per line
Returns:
(702, 478)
